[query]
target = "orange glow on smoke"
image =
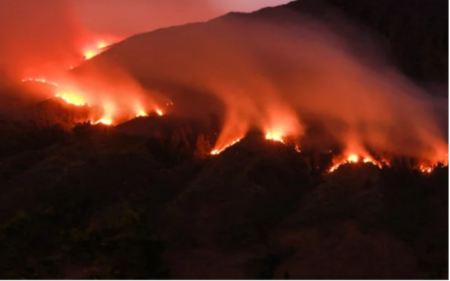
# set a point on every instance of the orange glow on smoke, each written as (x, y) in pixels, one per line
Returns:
(217, 151)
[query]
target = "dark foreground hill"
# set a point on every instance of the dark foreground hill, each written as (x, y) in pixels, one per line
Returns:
(97, 203)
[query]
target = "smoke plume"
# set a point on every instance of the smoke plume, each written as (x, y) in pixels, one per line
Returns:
(281, 78)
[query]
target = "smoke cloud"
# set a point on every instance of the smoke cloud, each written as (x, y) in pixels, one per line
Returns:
(286, 79)
(37, 36)
(40, 38)
(283, 78)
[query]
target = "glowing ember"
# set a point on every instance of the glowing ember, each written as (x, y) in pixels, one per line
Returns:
(217, 151)
(274, 137)
(40, 80)
(159, 112)
(297, 148)
(71, 99)
(426, 169)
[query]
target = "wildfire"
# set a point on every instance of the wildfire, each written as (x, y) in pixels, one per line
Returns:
(353, 158)
(107, 114)
(426, 169)
(104, 121)
(71, 99)
(93, 51)
(141, 113)
(40, 80)
(90, 54)
(102, 45)
(274, 137)
(217, 151)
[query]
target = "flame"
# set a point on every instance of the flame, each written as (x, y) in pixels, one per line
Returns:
(354, 158)
(101, 45)
(40, 80)
(107, 114)
(428, 166)
(426, 169)
(94, 50)
(71, 98)
(274, 137)
(104, 121)
(90, 54)
(141, 113)
(297, 148)
(217, 151)
(70, 93)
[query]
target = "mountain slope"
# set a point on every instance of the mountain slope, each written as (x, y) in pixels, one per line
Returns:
(412, 33)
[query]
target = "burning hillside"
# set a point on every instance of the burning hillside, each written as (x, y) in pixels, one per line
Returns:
(363, 106)
(279, 144)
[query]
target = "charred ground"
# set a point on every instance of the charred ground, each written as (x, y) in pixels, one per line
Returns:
(145, 199)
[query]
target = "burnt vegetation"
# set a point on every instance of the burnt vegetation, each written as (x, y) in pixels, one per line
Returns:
(146, 199)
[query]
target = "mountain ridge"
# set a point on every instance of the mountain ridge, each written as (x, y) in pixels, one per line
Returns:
(420, 53)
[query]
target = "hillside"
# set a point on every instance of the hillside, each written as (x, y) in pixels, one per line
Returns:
(146, 199)
(411, 34)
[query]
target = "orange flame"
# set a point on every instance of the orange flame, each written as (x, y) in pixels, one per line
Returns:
(159, 112)
(217, 151)
(94, 50)
(141, 113)
(426, 169)
(90, 54)
(107, 114)
(354, 158)
(104, 121)
(274, 137)
(71, 99)
(40, 80)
